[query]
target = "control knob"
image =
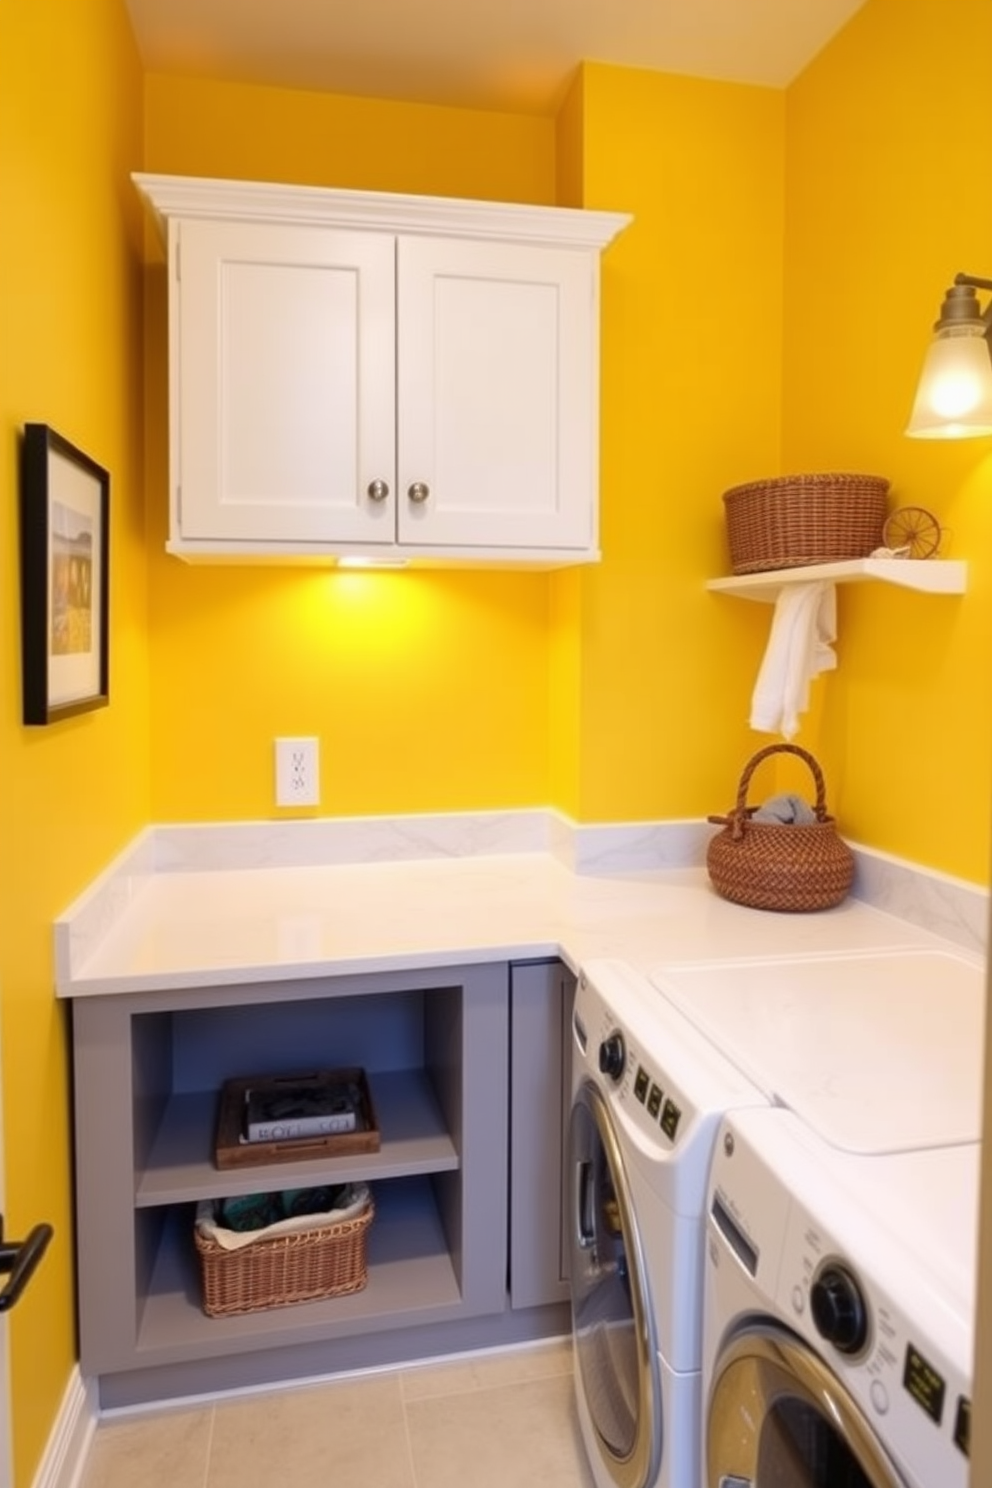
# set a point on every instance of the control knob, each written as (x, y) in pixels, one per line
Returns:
(839, 1309)
(613, 1055)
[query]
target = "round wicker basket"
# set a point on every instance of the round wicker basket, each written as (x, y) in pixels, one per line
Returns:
(795, 520)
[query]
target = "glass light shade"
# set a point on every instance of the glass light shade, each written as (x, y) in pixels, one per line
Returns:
(954, 397)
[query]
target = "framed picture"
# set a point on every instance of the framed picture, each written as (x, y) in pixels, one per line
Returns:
(65, 510)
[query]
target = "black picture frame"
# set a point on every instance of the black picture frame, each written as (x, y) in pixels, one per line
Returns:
(65, 571)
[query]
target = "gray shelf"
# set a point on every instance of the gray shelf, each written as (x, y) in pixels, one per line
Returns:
(181, 1167)
(411, 1280)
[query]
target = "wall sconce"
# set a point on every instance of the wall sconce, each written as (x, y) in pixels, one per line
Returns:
(954, 397)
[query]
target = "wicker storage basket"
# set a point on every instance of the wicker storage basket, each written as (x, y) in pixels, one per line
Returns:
(777, 865)
(795, 520)
(327, 1261)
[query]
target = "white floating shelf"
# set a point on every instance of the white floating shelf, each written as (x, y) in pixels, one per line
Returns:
(926, 575)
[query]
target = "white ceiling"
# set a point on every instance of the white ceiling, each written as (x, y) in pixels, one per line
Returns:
(513, 55)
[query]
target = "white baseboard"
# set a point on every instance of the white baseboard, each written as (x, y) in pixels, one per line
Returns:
(69, 1443)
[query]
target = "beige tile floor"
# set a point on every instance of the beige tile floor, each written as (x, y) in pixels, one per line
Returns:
(503, 1420)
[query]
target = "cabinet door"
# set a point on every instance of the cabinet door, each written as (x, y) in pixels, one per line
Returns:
(497, 388)
(540, 1016)
(282, 356)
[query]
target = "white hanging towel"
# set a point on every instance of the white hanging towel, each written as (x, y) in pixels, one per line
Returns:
(800, 646)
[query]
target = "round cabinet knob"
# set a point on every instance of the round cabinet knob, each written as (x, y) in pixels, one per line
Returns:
(378, 490)
(419, 492)
(613, 1056)
(839, 1309)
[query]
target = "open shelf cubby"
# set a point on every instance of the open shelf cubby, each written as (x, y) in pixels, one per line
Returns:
(149, 1067)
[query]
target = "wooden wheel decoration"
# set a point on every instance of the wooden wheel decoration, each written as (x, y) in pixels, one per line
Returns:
(912, 530)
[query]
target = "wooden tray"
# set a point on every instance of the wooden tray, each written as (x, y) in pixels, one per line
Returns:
(231, 1152)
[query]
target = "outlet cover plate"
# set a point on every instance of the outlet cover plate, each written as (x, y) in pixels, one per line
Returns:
(297, 772)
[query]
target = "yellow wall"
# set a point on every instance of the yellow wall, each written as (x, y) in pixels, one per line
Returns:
(72, 793)
(318, 139)
(888, 197)
(738, 338)
(428, 691)
(692, 328)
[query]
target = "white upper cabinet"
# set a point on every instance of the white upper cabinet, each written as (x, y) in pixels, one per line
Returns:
(353, 374)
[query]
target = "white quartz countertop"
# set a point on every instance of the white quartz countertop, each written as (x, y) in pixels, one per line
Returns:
(140, 930)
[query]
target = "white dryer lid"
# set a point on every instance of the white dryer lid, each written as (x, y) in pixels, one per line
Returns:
(878, 1052)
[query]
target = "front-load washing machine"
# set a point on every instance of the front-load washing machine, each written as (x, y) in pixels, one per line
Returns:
(838, 1309)
(648, 1092)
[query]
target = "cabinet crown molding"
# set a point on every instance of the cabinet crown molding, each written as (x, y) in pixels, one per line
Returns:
(319, 206)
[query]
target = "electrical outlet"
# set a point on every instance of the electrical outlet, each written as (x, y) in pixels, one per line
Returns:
(297, 772)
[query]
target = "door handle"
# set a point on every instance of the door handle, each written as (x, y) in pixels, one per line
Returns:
(20, 1259)
(585, 1229)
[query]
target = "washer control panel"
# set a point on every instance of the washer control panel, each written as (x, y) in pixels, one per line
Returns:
(630, 1079)
(659, 1106)
(639, 1086)
(877, 1346)
(897, 1374)
(665, 1082)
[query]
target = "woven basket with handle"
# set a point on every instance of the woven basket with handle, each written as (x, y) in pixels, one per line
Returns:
(775, 865)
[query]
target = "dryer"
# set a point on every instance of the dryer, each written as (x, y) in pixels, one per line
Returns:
(838, 1309)
(648, 1092)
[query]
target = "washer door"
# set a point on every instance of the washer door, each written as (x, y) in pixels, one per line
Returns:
(778, 1416)
(613, 1325)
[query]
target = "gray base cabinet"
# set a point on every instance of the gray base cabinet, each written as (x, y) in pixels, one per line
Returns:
(541, 996)
(460, 1238)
